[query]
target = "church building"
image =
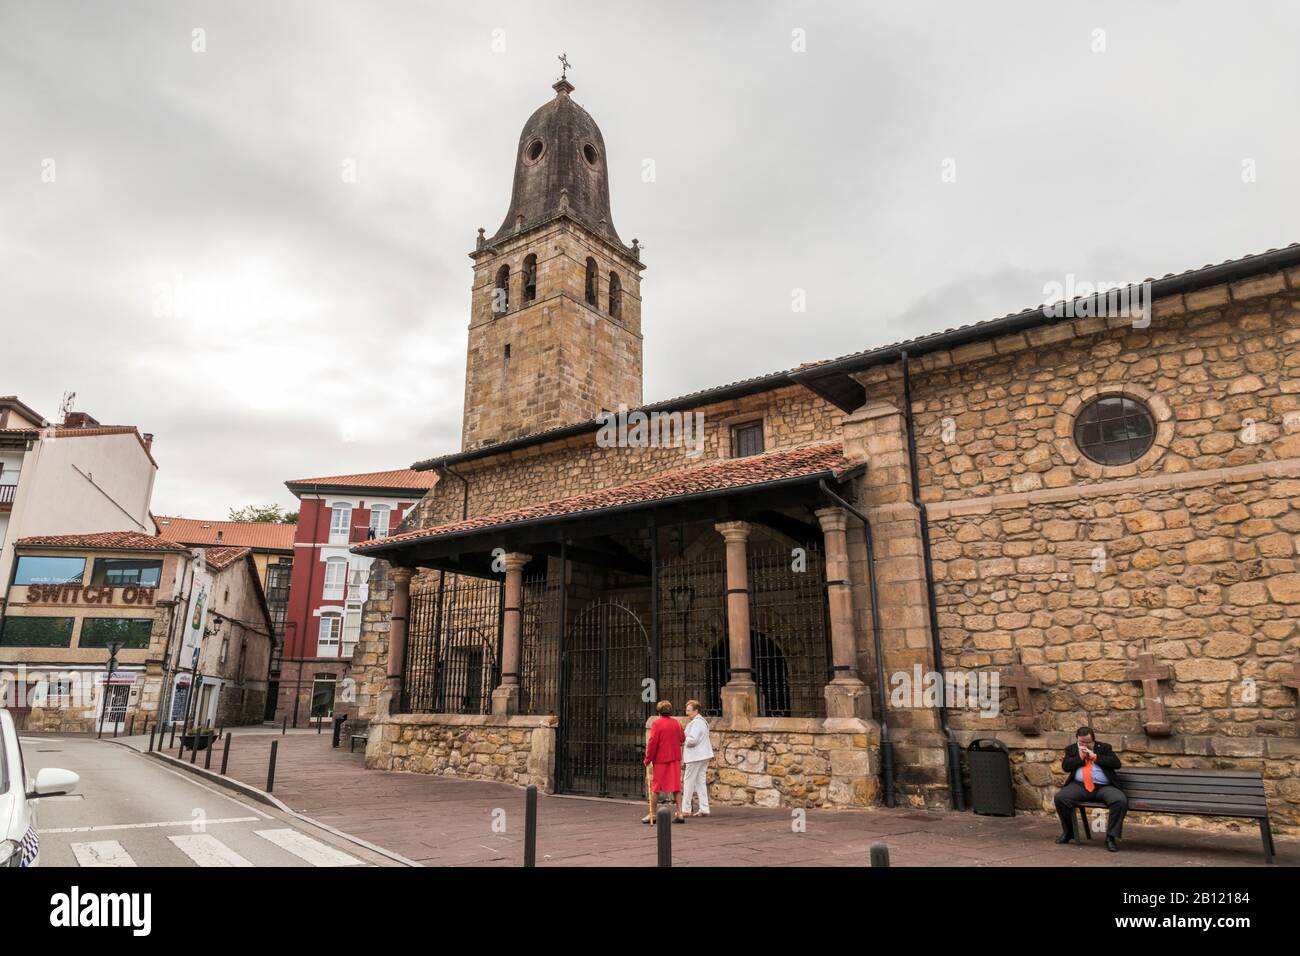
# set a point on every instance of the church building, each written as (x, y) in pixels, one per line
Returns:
(1083, 513)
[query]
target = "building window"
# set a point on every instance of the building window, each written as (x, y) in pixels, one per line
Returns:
(327, 638)
(747, 439)
(120, 572)
(129, 632)
(593, 297)
(36, 632)
(530, 278)
(501, 291)
(340, 520)
(1114, 430)
(379, 515)
(33, 570)
(336, 573)
(615, 296)
(351, 628)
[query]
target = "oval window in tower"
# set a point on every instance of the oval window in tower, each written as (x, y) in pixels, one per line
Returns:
(590, 154)
(534, 151)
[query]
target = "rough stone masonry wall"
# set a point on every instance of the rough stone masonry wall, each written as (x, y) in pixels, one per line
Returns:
(792, 417)
(1194, 556)
(519, 750)
(776, 763)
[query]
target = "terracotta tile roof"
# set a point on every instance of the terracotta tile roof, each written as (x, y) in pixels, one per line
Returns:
(102, 541)
(402, 479)
(733, 473)
(218, 559)
(259, 535)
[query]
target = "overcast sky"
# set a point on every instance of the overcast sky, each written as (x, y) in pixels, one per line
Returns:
(200, 266)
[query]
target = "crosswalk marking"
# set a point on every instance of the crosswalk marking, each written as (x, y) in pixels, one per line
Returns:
(207, 850)
(305, 848)
(103, 853)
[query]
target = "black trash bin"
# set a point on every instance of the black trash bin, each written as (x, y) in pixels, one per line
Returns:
(990, 778)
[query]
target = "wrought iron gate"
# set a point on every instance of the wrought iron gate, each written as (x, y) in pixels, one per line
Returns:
(606, 661)
(453, 652)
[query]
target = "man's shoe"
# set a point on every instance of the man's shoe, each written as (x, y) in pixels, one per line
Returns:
(1065, 838)
(1112, 845)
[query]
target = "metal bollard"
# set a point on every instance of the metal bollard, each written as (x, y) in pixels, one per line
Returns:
(284, 727)
(530, 825)
(130, 728)
(172, 743)
(151, 733)
(207, 757)
(115, 723)
(270, 770)
(225, 754)
(320, 722)
(879, 854)
(664, 824)
(194, 744)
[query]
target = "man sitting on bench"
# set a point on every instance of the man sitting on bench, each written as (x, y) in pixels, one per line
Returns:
(1091, 766)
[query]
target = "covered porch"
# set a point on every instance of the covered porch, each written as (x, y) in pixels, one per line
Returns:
(538, 640)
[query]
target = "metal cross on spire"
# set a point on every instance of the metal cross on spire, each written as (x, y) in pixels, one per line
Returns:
(564, 65)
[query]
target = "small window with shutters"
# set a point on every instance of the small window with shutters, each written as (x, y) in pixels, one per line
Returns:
(747, 439)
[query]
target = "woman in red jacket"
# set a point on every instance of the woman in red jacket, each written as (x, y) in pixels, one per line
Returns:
(663, 752)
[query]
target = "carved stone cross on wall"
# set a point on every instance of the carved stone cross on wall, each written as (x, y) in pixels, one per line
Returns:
(1023, 681)
(1151, 674)
(1294, 683)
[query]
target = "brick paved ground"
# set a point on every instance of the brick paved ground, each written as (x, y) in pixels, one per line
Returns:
(441, 821)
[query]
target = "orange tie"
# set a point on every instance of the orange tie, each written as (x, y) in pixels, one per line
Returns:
(1087, 776)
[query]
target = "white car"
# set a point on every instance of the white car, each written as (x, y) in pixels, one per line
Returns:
(19, 843)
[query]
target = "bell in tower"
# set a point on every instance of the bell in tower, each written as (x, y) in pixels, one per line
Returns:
(555, 325)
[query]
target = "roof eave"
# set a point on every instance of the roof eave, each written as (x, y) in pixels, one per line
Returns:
(628, 507)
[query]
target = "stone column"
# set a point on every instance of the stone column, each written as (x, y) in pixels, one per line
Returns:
(397, 636)
(846, 694)
(740, 694)
(505, 699)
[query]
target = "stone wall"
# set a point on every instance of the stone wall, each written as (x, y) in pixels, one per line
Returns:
(1199, 569)
(792, 417)
(794, 762)
(519, 750)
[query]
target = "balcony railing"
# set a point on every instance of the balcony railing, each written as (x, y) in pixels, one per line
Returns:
(363, 532)
(7, 493)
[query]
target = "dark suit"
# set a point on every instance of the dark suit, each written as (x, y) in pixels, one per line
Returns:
(1074, 793)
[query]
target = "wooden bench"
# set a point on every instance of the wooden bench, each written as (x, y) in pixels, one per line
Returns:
(352, 741)
(1204, 793)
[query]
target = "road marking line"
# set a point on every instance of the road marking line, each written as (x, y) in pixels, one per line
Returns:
(206, 850)
(146, 826)
(104, 853)
(305, 848)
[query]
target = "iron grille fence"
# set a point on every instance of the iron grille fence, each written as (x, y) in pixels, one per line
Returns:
(788, 628)
(693, 631)
(453, 647)
(539, 663)
(788, 631)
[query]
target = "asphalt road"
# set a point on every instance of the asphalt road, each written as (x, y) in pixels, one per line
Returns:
(130, 810)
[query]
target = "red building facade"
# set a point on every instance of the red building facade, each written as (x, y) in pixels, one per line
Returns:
(329, 585)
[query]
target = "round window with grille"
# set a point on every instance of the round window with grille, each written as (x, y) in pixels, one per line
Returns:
(1114, 430)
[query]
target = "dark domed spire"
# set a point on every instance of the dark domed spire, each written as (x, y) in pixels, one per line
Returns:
(560, 168)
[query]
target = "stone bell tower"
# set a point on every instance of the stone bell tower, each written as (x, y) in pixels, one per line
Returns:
(555, 323)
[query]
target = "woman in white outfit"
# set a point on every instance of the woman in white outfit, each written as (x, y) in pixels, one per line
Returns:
(696, 756)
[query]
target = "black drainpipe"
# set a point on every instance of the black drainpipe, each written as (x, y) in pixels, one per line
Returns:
(886, 745)
(950, 743)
